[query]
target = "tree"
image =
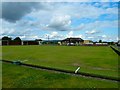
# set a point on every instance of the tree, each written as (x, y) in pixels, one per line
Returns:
(17, 39)
(100, 41)
(6, 38)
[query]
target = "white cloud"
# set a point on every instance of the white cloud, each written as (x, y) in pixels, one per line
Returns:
(52, 36)
(92, 32)
(29, 37)
(58, 36)
(104, 36)
(114, 0)
(21, 29)
(101, 37)
(90, 37)
(60, 23)
(70, 34)
(61, 11)
(50, 0)
(80, 27)
(79, 36)
(104, 0)
(101, 25)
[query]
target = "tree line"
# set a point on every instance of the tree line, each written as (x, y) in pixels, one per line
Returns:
(5, 38)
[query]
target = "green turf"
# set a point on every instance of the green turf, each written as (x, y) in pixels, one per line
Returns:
(100, 60)
(23, 77)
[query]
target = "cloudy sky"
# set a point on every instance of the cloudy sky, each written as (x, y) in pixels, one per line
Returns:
(59, 20)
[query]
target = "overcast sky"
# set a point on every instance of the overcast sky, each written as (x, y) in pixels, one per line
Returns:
(59, 20)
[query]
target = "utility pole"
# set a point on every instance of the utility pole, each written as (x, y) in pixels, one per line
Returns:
(47, 39)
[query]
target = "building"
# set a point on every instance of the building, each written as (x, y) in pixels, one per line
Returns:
(17, 41)
(87, 41)
(39, 41)
(72, 41)
(31, 42)
(101, 44)
(14, 42)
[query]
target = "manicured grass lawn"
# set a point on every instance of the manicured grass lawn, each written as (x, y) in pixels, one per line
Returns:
(100, 60)
(23, 77)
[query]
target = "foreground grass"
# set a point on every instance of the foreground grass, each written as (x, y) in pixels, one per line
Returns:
(97, 60)
(22, 77)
